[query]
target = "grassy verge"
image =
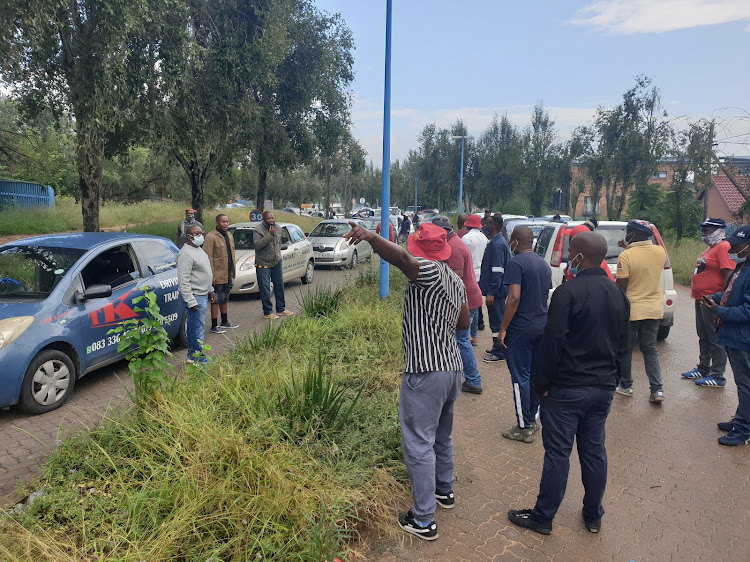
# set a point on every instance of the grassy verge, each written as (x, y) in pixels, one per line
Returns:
(683, 257)
(237, 462)
(66, 215)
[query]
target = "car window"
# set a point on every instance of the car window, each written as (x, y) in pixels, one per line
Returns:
(243, 238)
(613, 234)
(114, 267)
(284, 235)
(544, 239)
(34, 271)
(296, 234)
(330, 229)
(157, 256)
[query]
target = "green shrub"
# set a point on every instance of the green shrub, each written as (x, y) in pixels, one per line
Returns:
(683, 256)
(321, 302)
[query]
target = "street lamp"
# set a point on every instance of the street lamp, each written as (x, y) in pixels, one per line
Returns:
(461, 171)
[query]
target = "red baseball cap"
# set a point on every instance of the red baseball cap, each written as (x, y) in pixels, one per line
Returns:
(429, 241)
(190, 211)
(474, 221)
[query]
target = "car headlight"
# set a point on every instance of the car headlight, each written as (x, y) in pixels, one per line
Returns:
(248, 264)
(342, 245)
(11, 328)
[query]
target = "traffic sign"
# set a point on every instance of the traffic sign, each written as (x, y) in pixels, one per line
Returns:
(256, 215)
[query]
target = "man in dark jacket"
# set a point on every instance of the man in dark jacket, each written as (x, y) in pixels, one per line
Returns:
(496, 255)
(732, 307)
(585, 343)
(269, 266)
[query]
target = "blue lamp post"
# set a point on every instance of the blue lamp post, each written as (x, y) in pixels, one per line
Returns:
(385, 210)
(461, 172)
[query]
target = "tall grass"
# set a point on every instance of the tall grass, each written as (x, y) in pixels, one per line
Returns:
(683, 257)
(209, 473)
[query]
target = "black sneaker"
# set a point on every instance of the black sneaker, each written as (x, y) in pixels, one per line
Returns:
(726, 426)
(228, 326)
(446, 500)
(493, 359)
(592, 525)
(480, 327)
(407, 523)
(466, 387)
(522, 518)
(217, 330)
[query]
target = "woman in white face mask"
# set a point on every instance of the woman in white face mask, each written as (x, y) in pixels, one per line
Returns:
(712, 270)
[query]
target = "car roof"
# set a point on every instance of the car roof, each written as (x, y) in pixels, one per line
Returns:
(254, 224)
(81, 240)
(345, 221)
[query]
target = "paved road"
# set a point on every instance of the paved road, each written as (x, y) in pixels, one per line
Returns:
(25, 439)
(674, 493)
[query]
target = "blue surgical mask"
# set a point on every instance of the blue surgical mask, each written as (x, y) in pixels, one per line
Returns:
(574, 269)
(198, 240)
(736, 257)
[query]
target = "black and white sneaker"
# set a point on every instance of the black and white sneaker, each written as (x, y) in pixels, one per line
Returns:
(407, 523)
(228, 326)
(446, 500)
(522, 518)
(217, 330)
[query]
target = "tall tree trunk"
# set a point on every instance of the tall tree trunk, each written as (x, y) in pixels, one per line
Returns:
(198, 178)
(260, 196)
(90, 149)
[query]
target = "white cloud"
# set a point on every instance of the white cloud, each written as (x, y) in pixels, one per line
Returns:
(627, 17)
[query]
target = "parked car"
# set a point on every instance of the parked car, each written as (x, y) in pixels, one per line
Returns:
(60, 295)
(371, 223)
(566, 218)
(296, 251)
(536, 225)
(552, 245)
(317, 214)
(330, 248)
(293, 210)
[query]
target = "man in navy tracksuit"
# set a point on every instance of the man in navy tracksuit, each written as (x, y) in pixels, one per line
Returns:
(732, 307)
(496, 255)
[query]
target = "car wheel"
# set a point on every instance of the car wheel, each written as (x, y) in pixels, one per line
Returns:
(353, 263)
(180, 340)
(663, 332)
(309, 272)
(48, 382)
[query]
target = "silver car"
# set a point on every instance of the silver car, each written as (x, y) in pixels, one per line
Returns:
(296, 253)
(330, 248)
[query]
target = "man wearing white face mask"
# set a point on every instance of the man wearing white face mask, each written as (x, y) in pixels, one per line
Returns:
(710, 276)
(194, 277)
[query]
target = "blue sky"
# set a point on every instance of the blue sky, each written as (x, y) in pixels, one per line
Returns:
(473, 58)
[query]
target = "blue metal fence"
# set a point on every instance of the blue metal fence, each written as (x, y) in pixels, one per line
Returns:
(15, 193)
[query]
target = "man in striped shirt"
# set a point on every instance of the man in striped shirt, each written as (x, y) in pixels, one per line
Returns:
(435, 306)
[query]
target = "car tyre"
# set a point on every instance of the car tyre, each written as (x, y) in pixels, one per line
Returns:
(355, 260)
(49, 380)
(180, 340)
(307, 278)
(663, 332)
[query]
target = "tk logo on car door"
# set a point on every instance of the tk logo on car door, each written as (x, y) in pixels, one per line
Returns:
(112, 313)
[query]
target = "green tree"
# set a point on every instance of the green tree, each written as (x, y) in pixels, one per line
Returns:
(500, 162)
(540, 160)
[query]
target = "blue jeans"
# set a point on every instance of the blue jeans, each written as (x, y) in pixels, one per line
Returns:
(569, 413)
(474, 321)
(523, 350)
(471, 373)
(425, 413)
(265, 275)
(196, 325)
(740, 361)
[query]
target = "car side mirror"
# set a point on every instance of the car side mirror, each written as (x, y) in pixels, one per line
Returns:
(284, 246)
(95, 292)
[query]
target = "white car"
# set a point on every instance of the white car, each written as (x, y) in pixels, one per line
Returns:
(330, 248)
(552, 245)
(296, 252)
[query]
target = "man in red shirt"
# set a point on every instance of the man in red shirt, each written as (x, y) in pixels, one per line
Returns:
(390, 230)
(587, 226)
(710, 276)
(462, 265)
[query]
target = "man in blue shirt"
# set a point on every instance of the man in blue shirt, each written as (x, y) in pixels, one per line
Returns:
(529, 280)
(496, 255)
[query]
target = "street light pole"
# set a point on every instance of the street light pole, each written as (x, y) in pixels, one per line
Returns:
(385, 210)
(461, 171)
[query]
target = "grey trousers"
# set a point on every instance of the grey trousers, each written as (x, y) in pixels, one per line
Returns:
(644, 331)
(713, 357)
(425, 411)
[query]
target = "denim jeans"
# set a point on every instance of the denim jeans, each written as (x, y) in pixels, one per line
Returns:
(474, 321)
(523, 350)
(196, 325)
(425, 413)
(644, 331)
(713, 356)
(471, 373)
(265, 275)
(569, 413)
(740, 361)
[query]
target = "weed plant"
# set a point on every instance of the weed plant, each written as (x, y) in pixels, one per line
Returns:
(207, 473)
(322, 301)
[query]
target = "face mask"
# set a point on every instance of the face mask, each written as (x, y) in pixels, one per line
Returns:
(512, 247)
(574, 269)
(198, 240)
(736, 257)
(629, 238)
(714, 238)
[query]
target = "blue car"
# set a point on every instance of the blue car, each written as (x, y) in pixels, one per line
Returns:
(61, 294)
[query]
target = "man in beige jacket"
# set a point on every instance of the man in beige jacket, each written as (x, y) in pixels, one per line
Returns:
(219, 245)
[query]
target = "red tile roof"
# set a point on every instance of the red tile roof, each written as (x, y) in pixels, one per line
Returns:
(733, 198)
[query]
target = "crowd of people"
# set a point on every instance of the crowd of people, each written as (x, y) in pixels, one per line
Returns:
(566, 359)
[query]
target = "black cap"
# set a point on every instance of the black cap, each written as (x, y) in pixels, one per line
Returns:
(442, 221)
(740, 236)
(716, 223)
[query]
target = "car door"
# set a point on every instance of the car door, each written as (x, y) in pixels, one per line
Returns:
(117, 267)
(302, 251)
(158, 263)
(287, 253)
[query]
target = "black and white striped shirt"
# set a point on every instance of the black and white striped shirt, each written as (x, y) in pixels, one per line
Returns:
(432, 305)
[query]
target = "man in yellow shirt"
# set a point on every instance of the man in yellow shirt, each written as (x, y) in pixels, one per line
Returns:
(639, 270)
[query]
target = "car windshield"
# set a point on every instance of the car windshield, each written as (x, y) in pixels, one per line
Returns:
(370, 223)
(330, 230)
(243, 238)
(613, 235)
(34, 271)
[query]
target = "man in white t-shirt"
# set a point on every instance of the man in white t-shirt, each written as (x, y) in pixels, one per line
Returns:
(477, 242)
